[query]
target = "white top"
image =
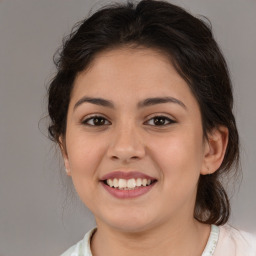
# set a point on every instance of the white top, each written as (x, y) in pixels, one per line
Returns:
(223, 240)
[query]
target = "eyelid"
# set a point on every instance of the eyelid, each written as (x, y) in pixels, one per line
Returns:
(87, 118)
(90, 117)
(170, 119)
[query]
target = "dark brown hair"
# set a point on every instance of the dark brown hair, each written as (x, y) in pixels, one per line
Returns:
(189, 43)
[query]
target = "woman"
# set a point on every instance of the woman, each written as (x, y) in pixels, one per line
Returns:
(141, 107)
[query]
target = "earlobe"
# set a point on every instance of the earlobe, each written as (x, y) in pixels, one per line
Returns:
(215, 148)
(64, 155)
(67, 166)
(68, 172)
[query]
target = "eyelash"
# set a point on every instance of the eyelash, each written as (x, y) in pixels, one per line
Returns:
(91, 118)
(161, 117)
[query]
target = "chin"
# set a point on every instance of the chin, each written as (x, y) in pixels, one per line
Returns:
(133, 222)
(131, 228)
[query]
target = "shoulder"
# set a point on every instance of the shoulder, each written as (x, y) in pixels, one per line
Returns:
(82, 248)
(235, 242)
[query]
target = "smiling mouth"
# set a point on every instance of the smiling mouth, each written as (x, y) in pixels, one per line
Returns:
(128, 184)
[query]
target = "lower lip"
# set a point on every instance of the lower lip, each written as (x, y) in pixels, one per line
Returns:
(124, 194)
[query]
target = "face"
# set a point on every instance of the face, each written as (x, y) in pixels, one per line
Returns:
(134, 143)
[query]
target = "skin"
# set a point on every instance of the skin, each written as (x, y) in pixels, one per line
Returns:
(161, 221)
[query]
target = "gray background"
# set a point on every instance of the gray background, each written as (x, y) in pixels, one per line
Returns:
(35, 218)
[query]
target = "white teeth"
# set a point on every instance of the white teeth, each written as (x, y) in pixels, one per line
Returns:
(122, 183)
(131, 183)
(110, 182)
(115, 183)
(128, 184)
(138, 182)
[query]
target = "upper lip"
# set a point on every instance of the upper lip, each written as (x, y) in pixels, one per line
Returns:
(126, 175)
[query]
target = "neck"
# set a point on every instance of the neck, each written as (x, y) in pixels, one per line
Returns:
(174, 238)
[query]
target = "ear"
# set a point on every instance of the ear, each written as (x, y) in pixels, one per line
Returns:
(62, 145)
(215, 148)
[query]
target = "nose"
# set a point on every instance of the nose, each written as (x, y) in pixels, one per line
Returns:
(126, 144)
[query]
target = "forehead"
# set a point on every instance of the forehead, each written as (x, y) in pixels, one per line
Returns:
(131, 73)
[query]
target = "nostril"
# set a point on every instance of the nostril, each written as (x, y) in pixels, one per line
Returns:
(125, 152)
(127, 158)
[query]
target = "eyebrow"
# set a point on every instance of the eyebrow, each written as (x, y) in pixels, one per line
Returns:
(145, 103)
(160, 100)
(96, 101)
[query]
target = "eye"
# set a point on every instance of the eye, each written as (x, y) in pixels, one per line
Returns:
(160, 121)
(96, 121)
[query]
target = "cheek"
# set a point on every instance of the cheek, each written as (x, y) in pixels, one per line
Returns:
(84, 158)
(180, 158)
(83, 152)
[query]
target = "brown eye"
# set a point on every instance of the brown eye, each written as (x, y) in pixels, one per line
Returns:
(96, 121)
(160, 121)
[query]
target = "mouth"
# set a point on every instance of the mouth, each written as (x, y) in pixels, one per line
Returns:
(127, 184)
